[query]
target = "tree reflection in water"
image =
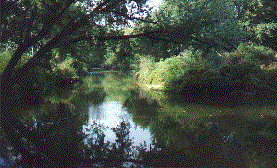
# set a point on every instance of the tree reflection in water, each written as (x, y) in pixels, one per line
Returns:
(62, 144)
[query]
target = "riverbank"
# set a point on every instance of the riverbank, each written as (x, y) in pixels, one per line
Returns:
(227, 95)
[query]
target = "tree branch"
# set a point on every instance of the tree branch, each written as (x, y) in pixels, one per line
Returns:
(110, 5)
(150, 35)
(132, 18)
(33, 62)
(57, 11)
(54, 43)
(55, 14)
(171, 36)
(6, 83)
(101, 5)
(101, 38)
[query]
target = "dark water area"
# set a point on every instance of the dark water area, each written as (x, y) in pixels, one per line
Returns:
(160, 117)
(228, 95)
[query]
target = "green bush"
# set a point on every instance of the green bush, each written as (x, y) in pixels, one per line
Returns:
(258, 54)
(4, 59)
(250, 64)
(147, 65)
(241, 70)
(175, 72)
(65, 68)
(270, 75)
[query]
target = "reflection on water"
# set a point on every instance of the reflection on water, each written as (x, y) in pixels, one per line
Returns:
(230, 137)
(7, 155)
(111, 114)
(166, 119)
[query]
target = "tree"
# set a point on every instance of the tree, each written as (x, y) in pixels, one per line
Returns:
(207, 26)
(52, 24)
(264, 25)
(259, 18)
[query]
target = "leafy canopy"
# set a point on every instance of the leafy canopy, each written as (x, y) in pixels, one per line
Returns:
(202, 25)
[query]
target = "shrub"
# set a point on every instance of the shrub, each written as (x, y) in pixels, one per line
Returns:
(240, 70)
(270, 75)
(175, 72)
(65, 68)
(147, 65)
(254, 53)
(4, 59)
(249, 65)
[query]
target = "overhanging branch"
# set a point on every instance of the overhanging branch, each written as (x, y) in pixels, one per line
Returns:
(123, 37)
(58, 11)
(99, 7)
(33, 62)
(132, 18)
(169, 36)
(101, 38)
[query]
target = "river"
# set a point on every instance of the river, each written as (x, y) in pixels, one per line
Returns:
(153, 115)
(111, 114)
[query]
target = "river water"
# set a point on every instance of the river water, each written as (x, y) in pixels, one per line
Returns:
(156, 115)
(111, 114)
(152, 115)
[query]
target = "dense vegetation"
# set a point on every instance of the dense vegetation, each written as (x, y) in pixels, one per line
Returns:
(203, 51)
(248, 70)
(233, 62)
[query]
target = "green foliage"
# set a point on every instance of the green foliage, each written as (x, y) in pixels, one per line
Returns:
(175, 72)
(260, 21)
(91, 83)
(261, 11)
(250, 67)
(270, 76)
(97, 49)
(202, 25)
(42, 83)
(4, 59)
(256, 54)
(78, 66)
(65, 68)
(207, 27)
(265, 30)
(147, 65)
(124, 55)
(110, 57)
(252, 63)
(115, 48)
(37, 83)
